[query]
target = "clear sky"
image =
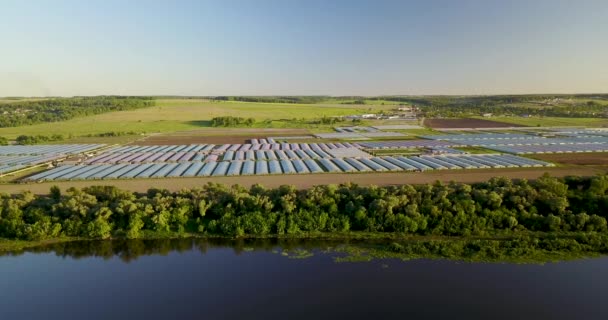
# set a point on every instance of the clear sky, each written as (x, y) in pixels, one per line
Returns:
(308, 47)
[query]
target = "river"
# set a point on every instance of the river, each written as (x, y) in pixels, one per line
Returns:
(198, 279)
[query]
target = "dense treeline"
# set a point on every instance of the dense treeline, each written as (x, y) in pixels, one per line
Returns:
(21, 113)
(498, 206)
(274, 99)
(231, 121)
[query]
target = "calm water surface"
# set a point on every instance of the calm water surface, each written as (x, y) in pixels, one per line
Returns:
(194, 279)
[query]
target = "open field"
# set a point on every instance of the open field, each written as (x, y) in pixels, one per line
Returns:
(475, 150)
(170, 115)
(217, 136)
(308, 180)
(553, 121)
(595, 158)
(466, 123)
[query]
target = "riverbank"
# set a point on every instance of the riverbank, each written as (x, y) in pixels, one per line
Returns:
(525, 247)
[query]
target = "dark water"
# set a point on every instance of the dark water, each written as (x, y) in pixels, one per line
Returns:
(194, 279)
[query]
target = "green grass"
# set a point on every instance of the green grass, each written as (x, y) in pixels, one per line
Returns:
(9, 245)
(107, 140)
(172, 115)
(15, 176)
(407, 152)
(552, 121)
(475, 150)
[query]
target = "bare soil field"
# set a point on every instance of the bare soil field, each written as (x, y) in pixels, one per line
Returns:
(309, 180)
(217, 136)
(467, 123)
(592, 158)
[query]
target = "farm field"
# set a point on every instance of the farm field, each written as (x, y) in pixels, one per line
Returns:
(467, 123)
(475, 150)
(218, 135)
(187, 121)
(309, 180)
(553, 121)
(171, 115)
(595, 158)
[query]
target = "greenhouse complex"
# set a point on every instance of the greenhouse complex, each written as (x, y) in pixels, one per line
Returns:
(279, 155)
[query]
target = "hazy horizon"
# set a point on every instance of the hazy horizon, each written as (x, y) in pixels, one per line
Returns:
(339, 48)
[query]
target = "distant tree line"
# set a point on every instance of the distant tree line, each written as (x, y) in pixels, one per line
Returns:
(358, 101)
(456, 106)
(455, 209)
(231, 121)
(274, 99)
(21, 113)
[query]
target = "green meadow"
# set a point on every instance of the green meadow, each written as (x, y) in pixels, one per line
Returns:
(170, 115)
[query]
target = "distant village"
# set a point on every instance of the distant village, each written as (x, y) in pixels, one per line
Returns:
(402, 112)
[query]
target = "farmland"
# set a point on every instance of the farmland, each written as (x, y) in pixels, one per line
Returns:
(595, 158)
(535, 121)
(172, 115)
(217, 135)
(188, 121)
(466, 123)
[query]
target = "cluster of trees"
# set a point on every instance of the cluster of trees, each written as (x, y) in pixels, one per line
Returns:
(497, 206)
(3, 141)
(358, 101)
(21, 113)
(275, 99)
(27, 140)
(231, 121)
(113, 134)
(328, 120)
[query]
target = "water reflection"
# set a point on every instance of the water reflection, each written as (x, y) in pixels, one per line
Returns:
(340, 250)
(252, 279)
(131, 250)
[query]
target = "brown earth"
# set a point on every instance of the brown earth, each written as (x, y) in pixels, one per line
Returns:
(308, 180)
(217, 136)
(595, 158)
(466, 123)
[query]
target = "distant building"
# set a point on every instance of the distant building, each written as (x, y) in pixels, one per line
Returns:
(487, 115)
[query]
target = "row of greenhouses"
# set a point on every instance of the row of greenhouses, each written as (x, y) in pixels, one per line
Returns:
(48, 149)
(284, 166)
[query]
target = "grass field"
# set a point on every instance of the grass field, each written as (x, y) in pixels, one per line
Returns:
(172, 115)
(475, 150)
(553, 121)
(595, 158)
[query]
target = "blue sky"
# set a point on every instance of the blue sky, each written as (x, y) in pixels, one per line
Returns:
(266, 47)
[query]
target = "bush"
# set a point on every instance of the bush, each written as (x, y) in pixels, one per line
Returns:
(231, 121)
